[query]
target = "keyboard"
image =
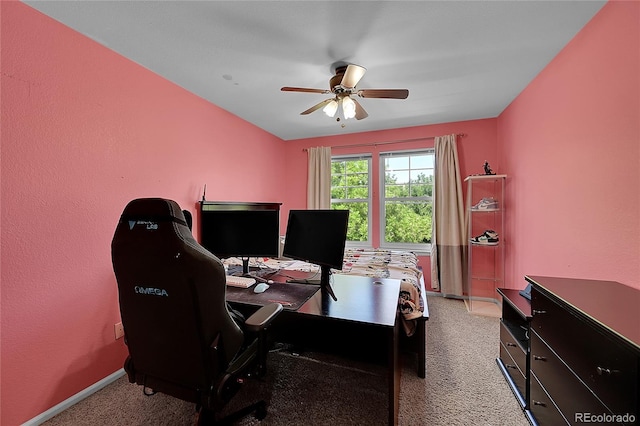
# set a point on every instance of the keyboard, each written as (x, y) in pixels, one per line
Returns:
(242, 282)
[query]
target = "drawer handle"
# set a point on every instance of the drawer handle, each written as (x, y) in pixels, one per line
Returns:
(541, 358)
(510, 366)
(536, 312)
(540, 403)
(513, 345)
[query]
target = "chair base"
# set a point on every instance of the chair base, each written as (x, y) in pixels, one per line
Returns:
(208, 417)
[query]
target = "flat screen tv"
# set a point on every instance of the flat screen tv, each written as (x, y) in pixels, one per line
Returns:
(241, 230)
(318, 237)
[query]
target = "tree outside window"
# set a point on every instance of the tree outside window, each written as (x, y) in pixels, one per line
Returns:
(350, 183)
(407, 203)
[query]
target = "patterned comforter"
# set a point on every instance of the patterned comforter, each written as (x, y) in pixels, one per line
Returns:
(402, 265)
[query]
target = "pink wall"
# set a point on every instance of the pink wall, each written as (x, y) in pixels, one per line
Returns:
(83, 132)
(570, 143)
(478, 145)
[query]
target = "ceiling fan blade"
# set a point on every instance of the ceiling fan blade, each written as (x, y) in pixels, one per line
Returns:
(305, 90)
(360, 112)
(384, 93)
(316, 107)
(352, 75)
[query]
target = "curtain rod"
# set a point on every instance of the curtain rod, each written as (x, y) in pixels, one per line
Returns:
(388, 142)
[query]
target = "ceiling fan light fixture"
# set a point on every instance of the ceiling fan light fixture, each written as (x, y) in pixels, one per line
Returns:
(331, 108)
(348, 107)
(343, 86)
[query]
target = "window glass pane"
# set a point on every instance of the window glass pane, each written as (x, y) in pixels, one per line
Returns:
(394, 163)
(421, 175)
(350, 181)
(361, 165)
(357, 192)
(358, 228)
(408, 222)
(358, 179)
(395, 191)
(422, 162)
(338, 180)
(421, 190)
(397, 176)
(338, 166)
(338, 193)
(407, 189)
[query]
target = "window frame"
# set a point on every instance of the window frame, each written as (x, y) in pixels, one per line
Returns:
(368, 200)
(418, 248)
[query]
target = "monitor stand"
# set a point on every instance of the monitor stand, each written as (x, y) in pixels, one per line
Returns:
(240, 270)
(324, 282)
(245, 266)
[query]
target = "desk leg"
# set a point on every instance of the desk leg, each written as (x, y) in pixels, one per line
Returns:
(421, 332)
(394, 374)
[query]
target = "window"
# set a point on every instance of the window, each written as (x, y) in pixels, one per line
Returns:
(406, 185)
(350, 190)
(402, 208)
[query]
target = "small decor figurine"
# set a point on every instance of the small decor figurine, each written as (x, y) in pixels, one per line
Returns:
(487, 169)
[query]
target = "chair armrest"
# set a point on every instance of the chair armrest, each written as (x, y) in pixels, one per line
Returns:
(262, 317)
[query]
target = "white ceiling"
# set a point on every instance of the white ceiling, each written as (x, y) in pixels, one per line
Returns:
(460, 60)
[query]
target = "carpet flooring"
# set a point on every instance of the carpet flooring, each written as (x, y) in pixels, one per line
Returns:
(463, 386)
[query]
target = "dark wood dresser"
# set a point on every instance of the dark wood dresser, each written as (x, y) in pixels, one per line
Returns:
(514, 343)
(585, 352)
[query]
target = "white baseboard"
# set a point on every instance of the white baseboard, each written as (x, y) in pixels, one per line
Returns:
(41, 418)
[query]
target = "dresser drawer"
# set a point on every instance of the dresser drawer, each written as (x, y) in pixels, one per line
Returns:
(516, 374)
(517, 353)
(606, 365)
(542, 406)
(569, 394)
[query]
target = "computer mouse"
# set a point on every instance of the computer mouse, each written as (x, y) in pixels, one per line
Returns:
(260, 288)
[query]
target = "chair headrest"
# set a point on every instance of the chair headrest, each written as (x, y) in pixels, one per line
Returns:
(149, 211)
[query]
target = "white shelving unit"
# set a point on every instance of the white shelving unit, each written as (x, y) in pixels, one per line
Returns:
(485, 272)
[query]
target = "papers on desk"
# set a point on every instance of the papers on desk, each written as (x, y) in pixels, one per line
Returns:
(298, 265)
(269, 263)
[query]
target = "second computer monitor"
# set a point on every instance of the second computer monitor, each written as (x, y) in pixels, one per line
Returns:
(318, 237)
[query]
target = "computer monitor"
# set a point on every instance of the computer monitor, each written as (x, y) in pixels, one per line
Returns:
(318, 237)
(240, 230)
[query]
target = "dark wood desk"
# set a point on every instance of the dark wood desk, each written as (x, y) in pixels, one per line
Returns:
(365, 307)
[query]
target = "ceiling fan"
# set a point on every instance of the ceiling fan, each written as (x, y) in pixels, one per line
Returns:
(343, 85)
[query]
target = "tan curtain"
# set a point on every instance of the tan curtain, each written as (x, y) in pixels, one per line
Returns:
(319, 178)
(448, 243)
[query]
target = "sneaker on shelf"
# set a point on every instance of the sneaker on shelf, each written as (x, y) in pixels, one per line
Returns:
(487, 204)
(488, 238)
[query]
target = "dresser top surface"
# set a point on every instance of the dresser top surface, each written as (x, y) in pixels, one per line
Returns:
(613, 305)
(519, 303)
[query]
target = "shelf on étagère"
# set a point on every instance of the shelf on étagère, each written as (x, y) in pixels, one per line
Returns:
(480, 177)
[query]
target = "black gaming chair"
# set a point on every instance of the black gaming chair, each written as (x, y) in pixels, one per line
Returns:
(180, 336)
